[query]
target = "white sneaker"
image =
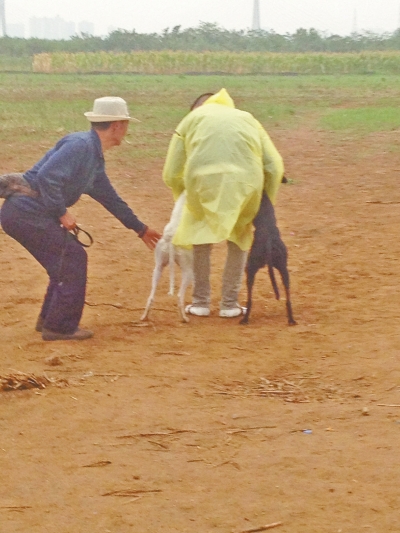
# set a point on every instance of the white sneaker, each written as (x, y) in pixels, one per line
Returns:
(197, 311)
(232, 313)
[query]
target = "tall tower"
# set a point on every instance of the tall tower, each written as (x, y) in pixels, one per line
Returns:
(256, 15)
(3, 18)
(355, 25)
(398, 22)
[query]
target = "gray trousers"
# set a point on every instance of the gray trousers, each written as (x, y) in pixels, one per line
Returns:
(231, 279)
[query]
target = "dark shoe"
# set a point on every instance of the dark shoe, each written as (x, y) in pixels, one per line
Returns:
(78, 335)
(39, 324)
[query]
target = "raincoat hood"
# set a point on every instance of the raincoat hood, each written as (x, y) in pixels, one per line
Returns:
(221, 97)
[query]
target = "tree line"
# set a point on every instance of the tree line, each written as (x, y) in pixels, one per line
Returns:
(205, 37)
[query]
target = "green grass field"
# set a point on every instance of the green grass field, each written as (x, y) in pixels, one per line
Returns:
(227, 62)
(39, 108)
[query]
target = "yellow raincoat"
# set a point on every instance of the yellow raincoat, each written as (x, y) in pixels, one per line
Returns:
(224, 159)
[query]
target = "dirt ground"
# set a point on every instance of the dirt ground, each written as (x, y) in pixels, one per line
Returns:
(211, 426)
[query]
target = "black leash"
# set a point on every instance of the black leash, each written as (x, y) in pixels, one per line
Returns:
(75, 233)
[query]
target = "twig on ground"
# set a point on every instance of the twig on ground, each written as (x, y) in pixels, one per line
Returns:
(229, 462)
(22, 381)
(243, 349)
(158, 444)
(130, 492)
(261, 528)
(112, 375)
(15, 507)
(161, 309)
(307, 377)
(224, 393)
(113, 444)
(99, 463)
(157, 434)
(133, 500)
(243, 430)
(172, 353)
(380, 202)
(270, 391)
(120, 306)
(117, 306)
(388, 405)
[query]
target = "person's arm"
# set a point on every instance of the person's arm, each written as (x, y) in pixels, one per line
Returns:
(272, 164)
(103, 192)
(175, 165)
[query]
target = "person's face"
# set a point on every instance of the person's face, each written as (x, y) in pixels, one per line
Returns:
(120, 130)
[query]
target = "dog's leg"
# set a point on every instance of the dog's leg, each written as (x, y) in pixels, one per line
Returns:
(291, 320)
(273, 281)
(280, 261)
(186, 281)
(160, 262)
(154, 282)
(286, 282)
(171, 254)
(250, 276)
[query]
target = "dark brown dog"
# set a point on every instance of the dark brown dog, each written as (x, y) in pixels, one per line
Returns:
(269, 250)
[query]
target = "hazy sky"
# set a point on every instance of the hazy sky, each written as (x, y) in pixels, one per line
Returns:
(282, 16)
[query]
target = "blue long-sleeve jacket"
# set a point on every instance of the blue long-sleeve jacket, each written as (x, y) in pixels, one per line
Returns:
(74, 166)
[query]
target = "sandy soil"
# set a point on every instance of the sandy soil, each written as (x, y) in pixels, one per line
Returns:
(171, 427)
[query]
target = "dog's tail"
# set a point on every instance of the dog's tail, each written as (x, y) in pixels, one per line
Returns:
(273, 281)
(171, 269)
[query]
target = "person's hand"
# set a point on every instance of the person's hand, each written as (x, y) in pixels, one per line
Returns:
(68, 221)
(150, 238)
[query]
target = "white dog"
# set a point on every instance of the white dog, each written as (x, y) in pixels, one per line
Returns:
(166, 253)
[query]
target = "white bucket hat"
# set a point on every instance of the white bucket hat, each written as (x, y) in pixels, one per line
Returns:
(109, 109)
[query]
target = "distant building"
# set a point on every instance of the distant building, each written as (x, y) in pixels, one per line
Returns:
(51, 28)
(256, 16)
(3, 18)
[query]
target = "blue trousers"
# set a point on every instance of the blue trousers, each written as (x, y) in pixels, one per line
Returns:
(63, 258)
